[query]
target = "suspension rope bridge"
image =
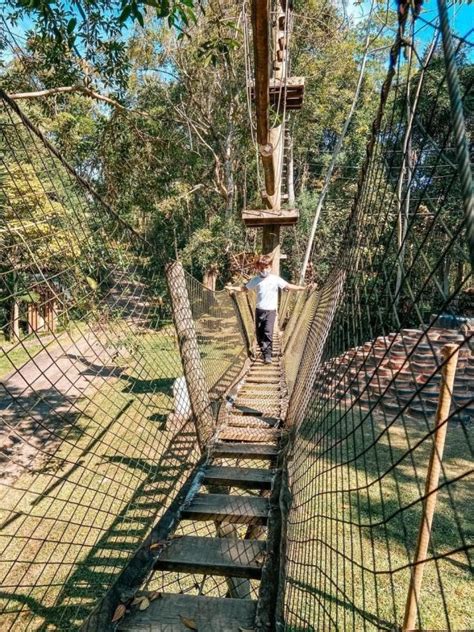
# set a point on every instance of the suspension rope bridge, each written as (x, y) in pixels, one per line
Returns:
(156, 474)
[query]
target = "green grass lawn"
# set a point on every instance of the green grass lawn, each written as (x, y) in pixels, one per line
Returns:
(69, 526)
(348, 540)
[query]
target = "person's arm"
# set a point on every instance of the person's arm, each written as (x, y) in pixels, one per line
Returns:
(250, 285)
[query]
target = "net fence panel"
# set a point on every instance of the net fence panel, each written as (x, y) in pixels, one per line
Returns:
(221, 342)
(95, 437)
(366, 392)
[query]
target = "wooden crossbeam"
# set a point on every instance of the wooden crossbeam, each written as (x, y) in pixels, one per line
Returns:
(262, 217)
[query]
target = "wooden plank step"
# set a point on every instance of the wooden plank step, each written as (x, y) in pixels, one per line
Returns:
(210, 614)
(243, 477)
(249, 435)
(266, 400)
(258, 379)
(261, 387)
(261, 217)
(262, 411)
(218, 507)
(228, 557)
(248, 421)
(244, 450)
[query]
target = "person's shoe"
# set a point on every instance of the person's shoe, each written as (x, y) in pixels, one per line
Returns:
(268, 361)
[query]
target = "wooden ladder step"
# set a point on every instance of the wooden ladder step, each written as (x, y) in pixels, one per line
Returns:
(262, 379)
(249, 435)
(254, 401)
(210, 614)
(259, 386)
(270, 410)
(244, 450)
(243, 477)
(247, 421)
(218, 507)
(228, 557)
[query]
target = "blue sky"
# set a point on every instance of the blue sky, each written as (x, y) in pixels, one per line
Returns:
(461, 15)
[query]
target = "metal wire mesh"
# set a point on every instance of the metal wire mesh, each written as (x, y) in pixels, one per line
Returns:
(366, 389)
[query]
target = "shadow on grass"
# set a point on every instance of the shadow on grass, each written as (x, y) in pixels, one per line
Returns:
(319, 595)
(98, 571)
(160, 385)
(385, 483)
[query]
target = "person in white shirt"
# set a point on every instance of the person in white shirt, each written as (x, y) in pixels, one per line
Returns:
(266, 285)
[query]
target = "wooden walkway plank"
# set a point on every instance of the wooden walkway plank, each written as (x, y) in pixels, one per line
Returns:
(250, 435)
(210, 614)
(229, 557)
(242, 477)
(242, 421)
(263, 380)
(218, 507)
(244, 451)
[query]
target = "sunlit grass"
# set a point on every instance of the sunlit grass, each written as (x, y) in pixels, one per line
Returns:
(70, 525)
(349, 547)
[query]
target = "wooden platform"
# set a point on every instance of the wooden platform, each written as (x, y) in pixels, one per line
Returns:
(219, 507)
(243, 477)
(253, 218)
(213, 556)
(287, 95)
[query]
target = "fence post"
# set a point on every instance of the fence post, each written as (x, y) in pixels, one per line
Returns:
(189, 351)
(450, 355)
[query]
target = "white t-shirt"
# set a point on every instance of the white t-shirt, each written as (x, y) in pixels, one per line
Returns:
(267, 290)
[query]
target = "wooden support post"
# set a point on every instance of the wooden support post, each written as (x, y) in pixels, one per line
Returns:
(32, 317)
(261, 48)
(290, 175)
(210, 277)
(246, 335)
(450, 355)
(271, 245)
(190, 357)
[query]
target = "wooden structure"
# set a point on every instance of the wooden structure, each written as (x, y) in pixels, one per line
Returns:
(236, 487)
(285, 95)
(42, 315)
(262, 217)
(273, 90)
(190, 356)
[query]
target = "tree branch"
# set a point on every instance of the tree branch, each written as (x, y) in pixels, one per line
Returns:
(76, 89)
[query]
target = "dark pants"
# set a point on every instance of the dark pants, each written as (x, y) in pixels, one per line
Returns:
(265, 321)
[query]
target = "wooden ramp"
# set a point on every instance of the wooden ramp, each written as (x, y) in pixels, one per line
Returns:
(231, 493)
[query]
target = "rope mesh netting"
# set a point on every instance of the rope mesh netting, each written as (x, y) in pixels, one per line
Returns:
(97, 433)
(365, 382)
(96, 428)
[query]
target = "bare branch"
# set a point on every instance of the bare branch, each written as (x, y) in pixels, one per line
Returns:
(76, 89)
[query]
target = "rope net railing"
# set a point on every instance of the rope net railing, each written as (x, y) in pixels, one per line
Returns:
(97, 434)
(365, 383)
(222, 342)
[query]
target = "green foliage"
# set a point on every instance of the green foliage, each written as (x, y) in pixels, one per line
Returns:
(96, 29)
(183, 172)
